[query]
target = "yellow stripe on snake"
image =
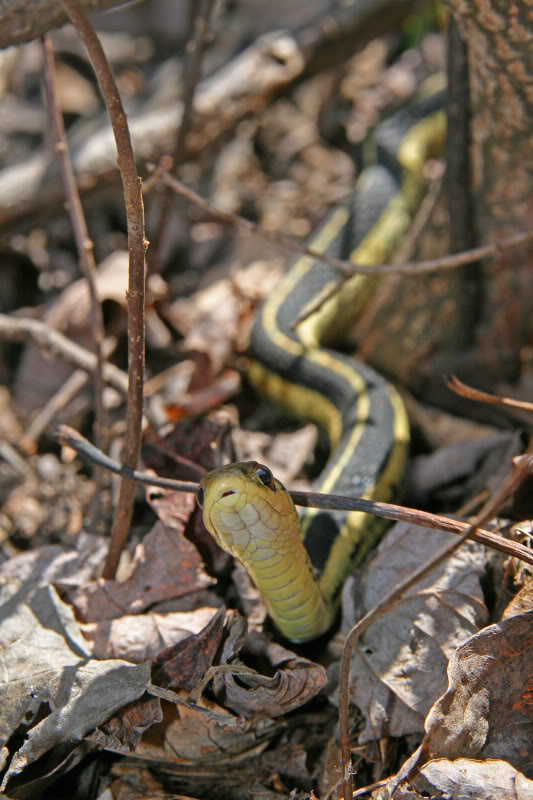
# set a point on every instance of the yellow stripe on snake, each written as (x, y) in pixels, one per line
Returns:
(300, 566)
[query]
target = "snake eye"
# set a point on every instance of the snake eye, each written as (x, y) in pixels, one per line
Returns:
(265, 476)
(200, 497)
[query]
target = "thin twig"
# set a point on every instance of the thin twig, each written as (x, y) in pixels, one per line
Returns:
(345, 268)
(332, 502)
(57, 345)
(464, 390)
(136, 281)
(59, 400)
(191, 77)
(84, 246)
(71, 438)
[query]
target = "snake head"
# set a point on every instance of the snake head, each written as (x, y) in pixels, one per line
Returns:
(242, 506)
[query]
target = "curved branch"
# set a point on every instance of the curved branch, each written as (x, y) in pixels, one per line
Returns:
(24, 20)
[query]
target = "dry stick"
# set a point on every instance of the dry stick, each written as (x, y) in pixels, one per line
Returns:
(70, 437)
(464, 390)
(131, 185)
(521, 468)
(65, 394)
(346, 268)
(84, 246)
(191, 77)
(58, 345)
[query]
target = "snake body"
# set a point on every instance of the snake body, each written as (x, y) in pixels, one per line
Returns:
(300, 566)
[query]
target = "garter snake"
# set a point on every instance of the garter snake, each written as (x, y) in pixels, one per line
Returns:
(248, 511)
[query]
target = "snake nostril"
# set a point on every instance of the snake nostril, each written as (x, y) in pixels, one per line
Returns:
(227, 493)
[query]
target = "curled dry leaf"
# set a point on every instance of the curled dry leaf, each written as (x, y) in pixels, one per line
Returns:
(123, 732)
(487, 711)
(466, 778)
(184, 665)
(291, 680)
(210, 321)
(399, 668)
(192, 733)
(216, 320)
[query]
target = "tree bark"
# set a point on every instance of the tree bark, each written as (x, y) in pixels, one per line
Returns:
(499, 38)
(24, 20)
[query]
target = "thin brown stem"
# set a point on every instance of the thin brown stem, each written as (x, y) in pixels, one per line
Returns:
(89, 452)
(136, 281)
(191, 77)
(462, 389)
(346, 269)
(58, 345)
(65, 395)
(84, 246)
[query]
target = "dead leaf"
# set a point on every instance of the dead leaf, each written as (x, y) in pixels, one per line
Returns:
(465, 779)
(285, 453)
(209, 320)
(521, 602)
(56, 564)
(487, 711)
(205, 733)
(452, 464)
(46, 672)
(141, 637)
(400, 665)
(123, 732)
(291, 680)
(39, 377)
(184, 665)
(190, 449)
(165, 566)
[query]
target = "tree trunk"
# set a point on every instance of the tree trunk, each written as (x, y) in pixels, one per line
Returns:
(499, 40)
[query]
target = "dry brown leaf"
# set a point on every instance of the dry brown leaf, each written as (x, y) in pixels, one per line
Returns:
(55, 564)
(209, 320)
(183, 666)
(39, 377)
(216, 321)
(487, 711)
(207, 733)
(466, 779)
(289, 683)
(521, 602)
(399, 668)
(285, 453)
(46, 672)
(141, 637)
(123, 732)
(165, 566)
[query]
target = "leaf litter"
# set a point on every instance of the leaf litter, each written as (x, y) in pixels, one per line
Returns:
(66, 635)
(399, 668)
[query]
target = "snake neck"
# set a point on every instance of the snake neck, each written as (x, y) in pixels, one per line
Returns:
(292, 593)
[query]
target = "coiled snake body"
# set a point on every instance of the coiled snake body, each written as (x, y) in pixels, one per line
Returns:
(300, 566)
